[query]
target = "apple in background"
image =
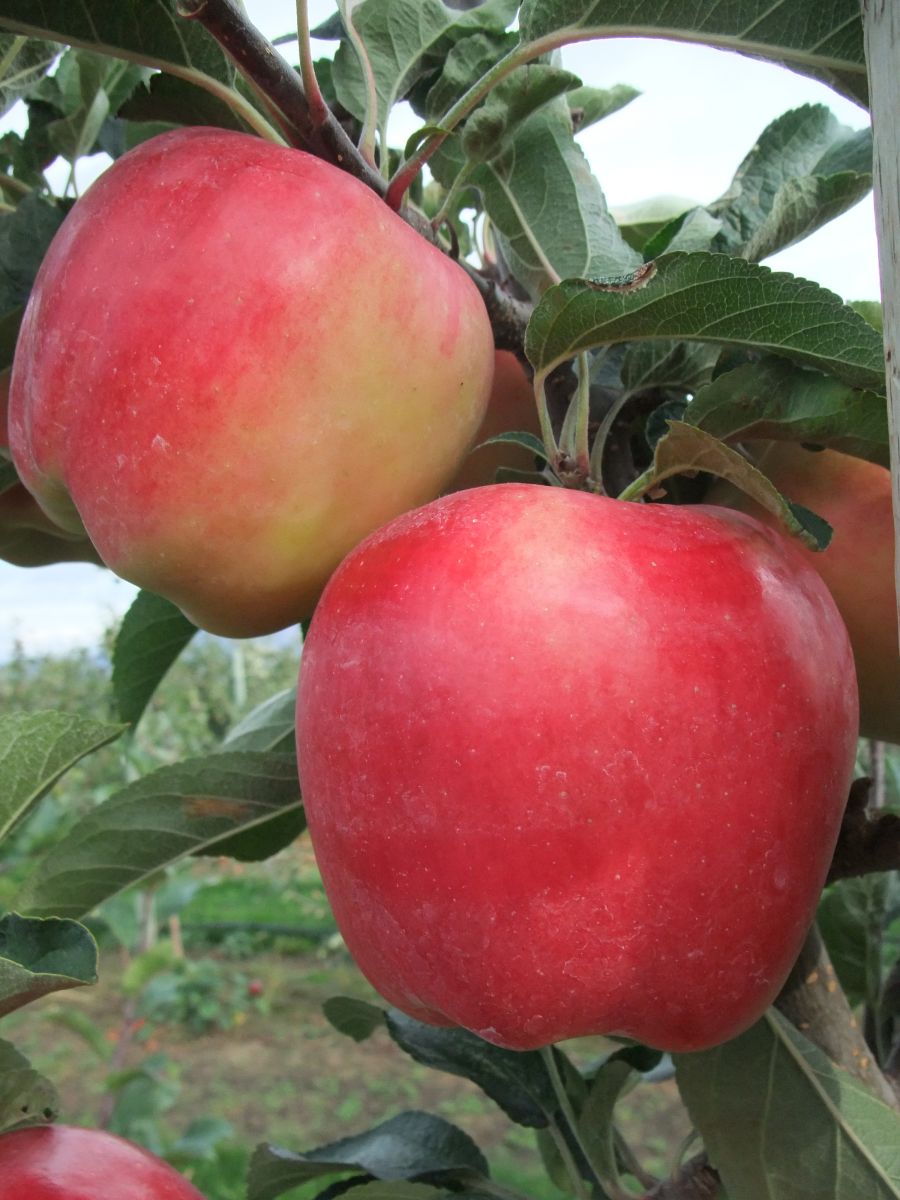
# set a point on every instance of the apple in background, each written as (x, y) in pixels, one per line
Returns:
(28, 538)
(511, 407)
(235, 363)
(62, 1162)
(854, 496)
(576, 766)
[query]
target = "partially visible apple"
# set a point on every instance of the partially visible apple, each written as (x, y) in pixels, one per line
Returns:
(235, 363)
(64, 1162)
(573, 765)
(854, 496)
(511, 407)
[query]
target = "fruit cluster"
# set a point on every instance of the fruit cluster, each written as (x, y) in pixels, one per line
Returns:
(571, 765)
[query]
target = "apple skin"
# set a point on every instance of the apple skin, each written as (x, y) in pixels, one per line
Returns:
(235, 363)
(63, 1162)
(512, 406)
(854, 497)
(575, 766)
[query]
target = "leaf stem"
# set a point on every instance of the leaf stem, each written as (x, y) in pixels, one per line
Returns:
(548, 1054)
(9, 184)
(318, 109)
(602, 435)
(573, 439)
(547, 435)
(370, 120)
(410, 168)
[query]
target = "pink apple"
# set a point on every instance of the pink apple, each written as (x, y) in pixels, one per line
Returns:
(235, 363)
(576, 766)
(63, 1162)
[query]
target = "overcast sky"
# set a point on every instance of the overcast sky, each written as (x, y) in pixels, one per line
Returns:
(699, 113)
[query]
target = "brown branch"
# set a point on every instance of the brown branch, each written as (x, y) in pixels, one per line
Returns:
(696, 1180)
(509, 316)
(280, 87)
(814, 1002)
(869, 839)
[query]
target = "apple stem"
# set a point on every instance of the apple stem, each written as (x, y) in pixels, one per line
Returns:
(280, 87)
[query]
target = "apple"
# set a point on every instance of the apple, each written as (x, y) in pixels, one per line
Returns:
(576, 766)
(854, 496)
(235, 363)
(512, 406)
(62, 1162)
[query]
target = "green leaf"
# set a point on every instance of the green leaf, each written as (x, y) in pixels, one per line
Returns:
(25, 234)
(801, 207)
(780, 1120)
(797, 177)
(406, 1147)
(709, 298)
(403, 39)
(146, 32)
(152, 635)
(545, 205)
(270, 726)
(591, 104)
(775, 399)
(36, 750)
(595, 1121)
(355, 1019)
(855, 917)
(680, 366)
(26, 1097)
(9, 476)
(869, 310)
(85, 90)
(23, 64)
(515, 1080)
(694, 230)
(191, 808)
(641, 221)
(165, 98)
(38, 957)
(513, 101)
(470, 58)
(260, 842)
(518, 437)
(686, 449)
(821, 40)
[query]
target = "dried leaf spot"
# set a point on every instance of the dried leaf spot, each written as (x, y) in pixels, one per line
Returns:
(217, 806)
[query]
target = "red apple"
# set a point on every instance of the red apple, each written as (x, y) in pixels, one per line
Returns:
(511, 407)
(854, 496)
(62, 1162)
(575, 766)
(235, 363)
